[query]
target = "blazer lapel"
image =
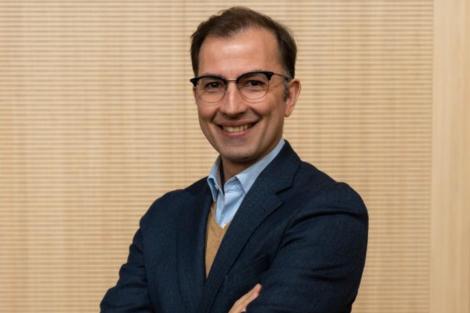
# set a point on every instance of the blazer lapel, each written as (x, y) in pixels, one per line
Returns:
(261, 200)
(191, 245)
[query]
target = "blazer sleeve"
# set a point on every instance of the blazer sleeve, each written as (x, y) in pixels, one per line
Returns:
(130, 295)
(320, 261)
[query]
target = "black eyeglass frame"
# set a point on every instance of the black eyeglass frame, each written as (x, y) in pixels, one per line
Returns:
(269, 75)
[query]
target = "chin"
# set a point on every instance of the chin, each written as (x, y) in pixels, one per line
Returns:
(240, 154)
(237, 158)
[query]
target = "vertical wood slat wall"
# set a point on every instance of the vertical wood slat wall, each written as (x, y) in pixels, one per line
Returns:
(450, 228)
(97, 119)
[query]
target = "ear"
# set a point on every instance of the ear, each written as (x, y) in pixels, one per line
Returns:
(293, 91)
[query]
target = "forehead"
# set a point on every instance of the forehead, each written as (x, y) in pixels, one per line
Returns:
(247, 50)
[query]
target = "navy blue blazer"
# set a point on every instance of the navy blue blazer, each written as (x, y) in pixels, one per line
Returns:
(299, 233)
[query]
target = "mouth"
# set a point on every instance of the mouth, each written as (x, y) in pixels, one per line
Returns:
(237, 129)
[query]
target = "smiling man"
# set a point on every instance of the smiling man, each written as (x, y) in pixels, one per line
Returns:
(265, 231)
(243, 121)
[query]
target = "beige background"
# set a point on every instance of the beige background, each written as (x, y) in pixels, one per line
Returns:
(97, 120)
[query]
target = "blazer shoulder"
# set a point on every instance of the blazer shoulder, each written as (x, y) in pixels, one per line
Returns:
(171, 202)
(320, 188)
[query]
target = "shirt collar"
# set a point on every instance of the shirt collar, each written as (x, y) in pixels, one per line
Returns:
(247, 177)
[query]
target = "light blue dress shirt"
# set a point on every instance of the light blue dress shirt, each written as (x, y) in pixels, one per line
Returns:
(229, 198)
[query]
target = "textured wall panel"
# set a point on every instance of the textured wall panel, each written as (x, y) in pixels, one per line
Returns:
(97, 119)
(450, 253)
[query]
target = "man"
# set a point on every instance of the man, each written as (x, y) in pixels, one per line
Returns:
(265, 232)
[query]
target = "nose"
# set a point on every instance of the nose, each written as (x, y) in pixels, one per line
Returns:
(232, 103)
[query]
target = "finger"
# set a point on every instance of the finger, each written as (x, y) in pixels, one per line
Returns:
(246, 299)
(252, 294)
(240, 304)
(257, 288)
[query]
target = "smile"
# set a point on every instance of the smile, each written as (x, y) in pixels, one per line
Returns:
(236, 129)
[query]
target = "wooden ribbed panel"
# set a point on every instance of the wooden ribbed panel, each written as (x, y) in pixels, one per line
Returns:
(365, 117)
(97, 119)
(450, 254)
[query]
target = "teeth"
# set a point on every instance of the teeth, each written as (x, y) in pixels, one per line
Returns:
(234, 129)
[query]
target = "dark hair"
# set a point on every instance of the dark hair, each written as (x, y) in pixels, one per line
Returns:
(235, 19)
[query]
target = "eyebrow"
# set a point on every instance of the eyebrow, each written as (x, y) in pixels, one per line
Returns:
(221, 76)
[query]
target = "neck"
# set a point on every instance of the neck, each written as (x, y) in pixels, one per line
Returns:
(229, 169)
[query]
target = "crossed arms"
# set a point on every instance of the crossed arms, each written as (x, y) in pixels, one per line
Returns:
(316, 267)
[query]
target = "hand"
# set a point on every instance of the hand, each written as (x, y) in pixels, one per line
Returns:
(241, 304)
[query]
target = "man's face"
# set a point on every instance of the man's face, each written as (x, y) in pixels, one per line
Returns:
(244, 131)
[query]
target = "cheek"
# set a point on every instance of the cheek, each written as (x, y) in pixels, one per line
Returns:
(206, 112)
(205, 117)
(273, 111)
(273, 105)
(274, 119)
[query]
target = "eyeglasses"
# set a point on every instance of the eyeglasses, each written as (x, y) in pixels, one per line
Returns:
(252, 85)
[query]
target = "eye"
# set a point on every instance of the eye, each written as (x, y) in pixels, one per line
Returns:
(212, 85)
(254, 83)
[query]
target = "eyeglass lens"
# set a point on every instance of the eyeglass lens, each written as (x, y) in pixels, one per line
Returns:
(252, 86)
